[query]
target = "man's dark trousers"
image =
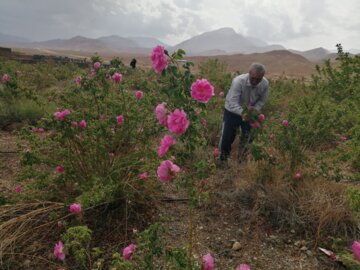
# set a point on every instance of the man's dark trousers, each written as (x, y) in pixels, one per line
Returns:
(231, 123)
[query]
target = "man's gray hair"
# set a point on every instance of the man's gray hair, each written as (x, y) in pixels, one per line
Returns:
(259, 68)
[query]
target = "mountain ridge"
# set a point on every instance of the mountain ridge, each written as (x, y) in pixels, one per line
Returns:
(222, 41)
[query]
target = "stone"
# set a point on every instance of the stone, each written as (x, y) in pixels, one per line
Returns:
(236, 246)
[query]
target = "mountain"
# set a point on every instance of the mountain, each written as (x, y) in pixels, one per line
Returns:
(354, 51)
(277, 63)
(147, 42)
(257, 42)
(224, 39)
(78, 43)
(107, 44)
(315, 55)
(10, 39)
(118, 43)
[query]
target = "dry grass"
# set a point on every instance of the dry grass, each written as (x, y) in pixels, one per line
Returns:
(24, 224)
(313, 207)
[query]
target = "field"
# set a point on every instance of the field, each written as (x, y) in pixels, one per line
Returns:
(111, 167)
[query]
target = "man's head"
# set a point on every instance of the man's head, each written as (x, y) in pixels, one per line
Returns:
(256, 73)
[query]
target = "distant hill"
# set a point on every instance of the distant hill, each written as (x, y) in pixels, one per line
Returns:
(107, 44)
(147, 42)
(354, 51)
(224, 39)
(316, 55)
(78, 43)
(277, 63)
(117, 43)
(10, 39)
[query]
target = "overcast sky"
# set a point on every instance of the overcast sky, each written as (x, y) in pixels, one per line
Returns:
(295, 24)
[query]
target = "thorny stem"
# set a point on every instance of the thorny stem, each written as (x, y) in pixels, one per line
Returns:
(190, 232)
(126, 219)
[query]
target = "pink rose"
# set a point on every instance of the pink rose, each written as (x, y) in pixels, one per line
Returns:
(261, 117)
(75, 208)
(166, 142)
(208, 262)
(202, 90)
(97, 65)
(160, 112)
(285, 123)
(139, 94)
(128, 251)
(177, 122)
(243, 266)
(92, 73)
(356, 249)
(120, 119)
(18, 189)
(158, 59)
(221, 94)
(5, 77)
(167, 170)
(82, 124)
(78, 81)
(117, 77)
(60, 169)
(204, 123)
(61, 115)
(216, 152)
(255, 125)
(144, 176)
(74, 124)
(59, 251)
(297, 176)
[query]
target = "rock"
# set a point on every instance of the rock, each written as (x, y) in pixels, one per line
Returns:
(273, 238)
(303, 248)
(292, 231)
(236, 246)
(27, 263)
(309, 253)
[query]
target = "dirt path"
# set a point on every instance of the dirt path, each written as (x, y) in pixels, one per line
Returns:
(232, 236)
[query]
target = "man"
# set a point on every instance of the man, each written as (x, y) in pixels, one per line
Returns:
(248, 92)
(133, 63)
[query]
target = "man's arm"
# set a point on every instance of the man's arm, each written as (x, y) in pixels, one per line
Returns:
(262, 99)
(233, 97)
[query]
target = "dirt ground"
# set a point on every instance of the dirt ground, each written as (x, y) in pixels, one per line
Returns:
(222, 226)
(233, 235)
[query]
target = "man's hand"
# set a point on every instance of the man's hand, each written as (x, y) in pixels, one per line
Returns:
(244, 117)
(252, 109)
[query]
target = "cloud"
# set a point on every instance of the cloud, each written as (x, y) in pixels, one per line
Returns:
(274, 21)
